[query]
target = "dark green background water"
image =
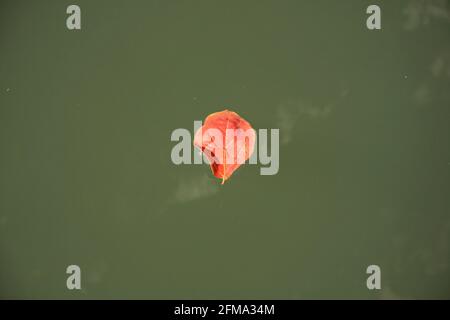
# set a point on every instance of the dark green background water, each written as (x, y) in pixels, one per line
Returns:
(85, 170)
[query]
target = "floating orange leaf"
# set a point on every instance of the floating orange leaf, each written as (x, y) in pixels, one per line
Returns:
(227, 140)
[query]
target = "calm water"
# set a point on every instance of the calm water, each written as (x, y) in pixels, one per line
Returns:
(85, 170)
